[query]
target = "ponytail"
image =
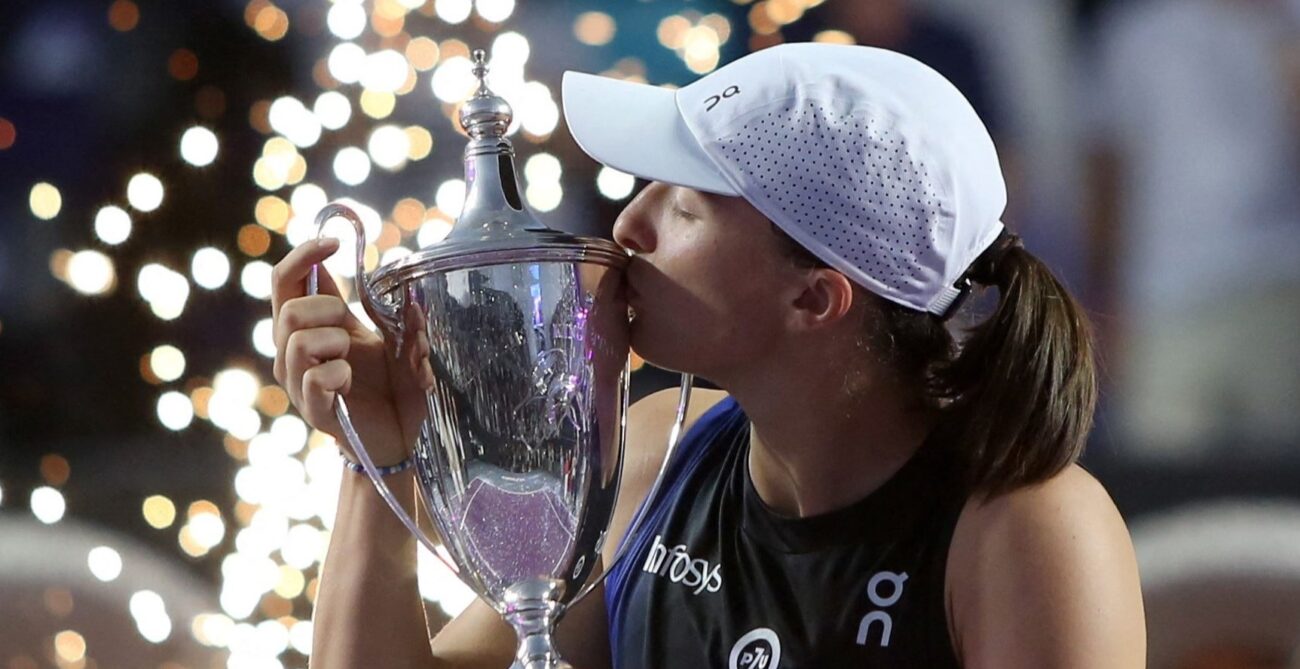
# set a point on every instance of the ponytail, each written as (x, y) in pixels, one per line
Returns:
(1016, 397)
(1020, 392)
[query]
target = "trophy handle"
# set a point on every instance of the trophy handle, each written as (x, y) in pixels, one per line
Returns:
(383, 317)
(674, 438)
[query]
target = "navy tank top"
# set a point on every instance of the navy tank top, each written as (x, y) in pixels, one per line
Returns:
(716, 579)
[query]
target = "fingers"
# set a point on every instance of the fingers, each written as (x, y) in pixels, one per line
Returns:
(320, 384)
(309, 348)
(289, 278)
(304, 313)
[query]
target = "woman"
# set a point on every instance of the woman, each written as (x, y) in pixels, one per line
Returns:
(864, 492)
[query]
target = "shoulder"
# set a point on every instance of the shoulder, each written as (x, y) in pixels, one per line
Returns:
(657, 411)
(1051, 567)
(1071, 502)
(649, 424)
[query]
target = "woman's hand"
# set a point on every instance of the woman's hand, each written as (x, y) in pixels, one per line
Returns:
(322, 349)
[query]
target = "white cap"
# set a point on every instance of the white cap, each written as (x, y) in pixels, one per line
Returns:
(868, 158)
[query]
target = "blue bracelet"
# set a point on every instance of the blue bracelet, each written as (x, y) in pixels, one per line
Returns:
(383, 471)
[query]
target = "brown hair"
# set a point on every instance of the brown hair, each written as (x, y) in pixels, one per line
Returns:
(1017, 392)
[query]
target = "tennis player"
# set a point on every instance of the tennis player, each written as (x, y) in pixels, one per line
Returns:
(869, 489)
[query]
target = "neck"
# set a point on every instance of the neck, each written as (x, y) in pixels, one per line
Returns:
(816, 446)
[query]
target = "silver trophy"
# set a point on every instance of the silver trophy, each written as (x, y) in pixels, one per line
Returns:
(518, 432)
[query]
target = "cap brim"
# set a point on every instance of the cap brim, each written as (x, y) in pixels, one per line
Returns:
(636, 128)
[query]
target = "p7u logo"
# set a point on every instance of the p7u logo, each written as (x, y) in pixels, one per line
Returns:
(760, 648)
(713, 100)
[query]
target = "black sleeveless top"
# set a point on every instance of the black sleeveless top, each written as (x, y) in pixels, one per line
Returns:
(717, 580)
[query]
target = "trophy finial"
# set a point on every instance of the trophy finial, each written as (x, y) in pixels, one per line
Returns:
(486, 115)
(480, 68)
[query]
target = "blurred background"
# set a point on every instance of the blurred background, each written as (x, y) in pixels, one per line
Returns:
(162, 507)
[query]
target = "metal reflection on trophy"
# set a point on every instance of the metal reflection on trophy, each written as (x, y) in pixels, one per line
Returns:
(518, 430)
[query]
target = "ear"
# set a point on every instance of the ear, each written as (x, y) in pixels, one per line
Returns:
(826, 298)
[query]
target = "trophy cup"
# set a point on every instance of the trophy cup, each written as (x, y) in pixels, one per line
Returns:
(518, 439)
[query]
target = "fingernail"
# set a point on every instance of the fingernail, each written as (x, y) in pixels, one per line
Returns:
(327, 241)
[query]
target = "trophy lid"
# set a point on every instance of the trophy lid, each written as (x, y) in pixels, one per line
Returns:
(495, 226)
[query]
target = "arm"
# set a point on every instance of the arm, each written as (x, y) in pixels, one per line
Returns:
(1045, 578)
(369, 575)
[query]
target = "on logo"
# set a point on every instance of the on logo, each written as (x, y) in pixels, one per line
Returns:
(713, 100)
(758, 649)
(884, 601)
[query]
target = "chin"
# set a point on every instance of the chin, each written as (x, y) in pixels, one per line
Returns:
(669, 350)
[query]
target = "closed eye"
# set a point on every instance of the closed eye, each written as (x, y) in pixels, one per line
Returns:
(677, 210)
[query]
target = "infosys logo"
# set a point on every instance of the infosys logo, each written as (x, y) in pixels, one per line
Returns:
(678, 566)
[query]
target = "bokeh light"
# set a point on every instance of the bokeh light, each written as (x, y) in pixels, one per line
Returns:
(389, 146)
(289, 117)
(614, 184)
(270, 22)
(167, 362)
(384, 71)
(454, 79)
(45, 201)
(263, 339)
(451, 196)
(351, 165)
(199, 146)
(158, 511)
(210, 268)
(175, 411)
(183, 65)
(594, 28)
(420, 142)
(123, 15)
(165, 290)
(112, 225)
(423, 53)
(144, 192)
(70, 647)
(8, 134)
(332, 109)
(150, 614)
(453, 11)
(91, 272)
(48, 505)
(347, 20)
(255, 279)
(347, 62)
(377, 104)
(495, 11)
(834, 37)
(542, 167)
(105, 563)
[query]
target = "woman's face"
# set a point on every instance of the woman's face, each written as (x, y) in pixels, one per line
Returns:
(708, 283)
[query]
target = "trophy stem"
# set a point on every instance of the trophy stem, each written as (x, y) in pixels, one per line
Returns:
(532, 608)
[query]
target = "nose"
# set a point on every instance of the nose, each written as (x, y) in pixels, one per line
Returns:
(634, 228)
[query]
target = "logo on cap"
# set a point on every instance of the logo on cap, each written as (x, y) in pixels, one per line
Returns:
(713, 100)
